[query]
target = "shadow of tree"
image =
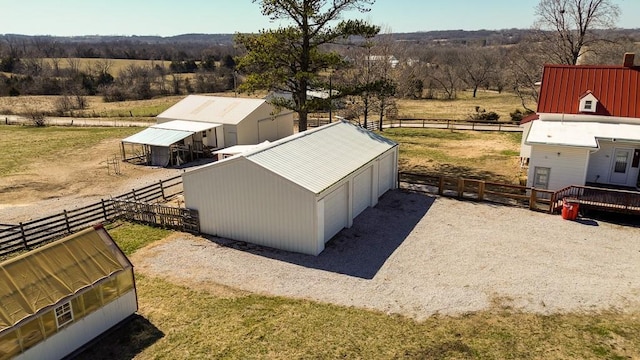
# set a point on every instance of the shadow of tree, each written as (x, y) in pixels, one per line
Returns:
(123, 342)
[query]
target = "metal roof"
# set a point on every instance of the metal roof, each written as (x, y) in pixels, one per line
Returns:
(40, 278)
(316, 159)
(617, 89)
(193, 126)
(581, 134)
(216, 109)
(157, 137)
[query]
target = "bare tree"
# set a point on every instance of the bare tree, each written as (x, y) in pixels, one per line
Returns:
(568, 26)
(477, 66)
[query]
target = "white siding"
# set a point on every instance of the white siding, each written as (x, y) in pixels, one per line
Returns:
(336, 211)
(83, 330)
(388, 171)
(362, 190)
(568, 165)
(600, 163)
(525, 150)
(240, 200)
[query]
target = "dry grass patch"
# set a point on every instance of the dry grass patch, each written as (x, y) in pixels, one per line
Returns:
(459, 153)
(460, 108)
(179, 323)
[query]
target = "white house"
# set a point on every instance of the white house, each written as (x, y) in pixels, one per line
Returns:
(587, 129)
(199, 124)
(296, 193)
(55, 299)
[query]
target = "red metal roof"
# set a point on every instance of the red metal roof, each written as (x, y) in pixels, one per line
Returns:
(617, 89)
(529, 118)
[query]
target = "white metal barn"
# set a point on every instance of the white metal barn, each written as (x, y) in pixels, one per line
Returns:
(244, 121)
(55, 299)
(199, 124)
(296, 193)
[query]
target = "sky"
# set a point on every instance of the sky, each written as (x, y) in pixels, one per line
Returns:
(168, 18)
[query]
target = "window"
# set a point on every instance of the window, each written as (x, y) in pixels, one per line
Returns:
(64, 314)
(541, 177)
(204, 134)
(588, 103)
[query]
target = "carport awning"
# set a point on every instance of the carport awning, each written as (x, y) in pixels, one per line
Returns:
(168, 133)
(157, 137)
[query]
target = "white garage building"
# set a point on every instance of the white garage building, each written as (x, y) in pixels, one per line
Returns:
(296, 193)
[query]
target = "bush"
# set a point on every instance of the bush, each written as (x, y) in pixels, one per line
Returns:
(483, 115)
(518, 115)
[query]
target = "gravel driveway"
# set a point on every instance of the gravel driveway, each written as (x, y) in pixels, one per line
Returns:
(418, 256)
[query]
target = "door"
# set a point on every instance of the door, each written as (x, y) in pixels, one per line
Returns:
(386, 174)
(362, 191)
(620, 166)
(336, 212)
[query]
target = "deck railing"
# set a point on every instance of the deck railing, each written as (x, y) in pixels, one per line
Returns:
(622, 201)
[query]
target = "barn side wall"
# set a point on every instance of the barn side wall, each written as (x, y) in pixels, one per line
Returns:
(239, 200)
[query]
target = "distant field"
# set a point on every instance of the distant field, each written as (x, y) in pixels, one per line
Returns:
(460, 109)
(96, 108)
(115, 65)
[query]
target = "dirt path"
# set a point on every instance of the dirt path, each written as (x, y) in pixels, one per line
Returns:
(419, 256)
(49, 187)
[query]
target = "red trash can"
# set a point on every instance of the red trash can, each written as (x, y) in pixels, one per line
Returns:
(569, 210)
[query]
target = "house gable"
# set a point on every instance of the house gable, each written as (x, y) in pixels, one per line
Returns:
(588, 103)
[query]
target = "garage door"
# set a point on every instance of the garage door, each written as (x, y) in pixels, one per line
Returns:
(336, 212)
(386, 174)
(362, 191)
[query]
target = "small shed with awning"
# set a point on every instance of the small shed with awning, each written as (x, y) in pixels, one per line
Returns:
(173, 142)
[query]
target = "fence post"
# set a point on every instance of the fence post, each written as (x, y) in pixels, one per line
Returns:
(66, 220)
(461, 188)
(104, 209)
(481, 191)
(448, 123)
(441, 185)
(133, 192)
(162, 190)
(533, 199)
(24, 238)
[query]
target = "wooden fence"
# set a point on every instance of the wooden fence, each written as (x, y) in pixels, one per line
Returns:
(30, 234)
(428, 123)
(479, 190)
(156, 214)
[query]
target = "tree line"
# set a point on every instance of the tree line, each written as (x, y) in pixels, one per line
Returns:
(362, 69)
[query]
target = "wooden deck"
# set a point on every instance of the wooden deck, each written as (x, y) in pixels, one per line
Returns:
(596, 198)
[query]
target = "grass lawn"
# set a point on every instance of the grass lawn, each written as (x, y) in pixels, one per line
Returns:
(175, 322)
(23, 144)
(459, 153)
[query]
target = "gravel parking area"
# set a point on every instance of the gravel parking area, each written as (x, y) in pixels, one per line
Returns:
(418, 256)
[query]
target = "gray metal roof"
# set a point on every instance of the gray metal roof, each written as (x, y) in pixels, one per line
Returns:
(319, 158)
(216, 109)
(193, 126)
(157, 137)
